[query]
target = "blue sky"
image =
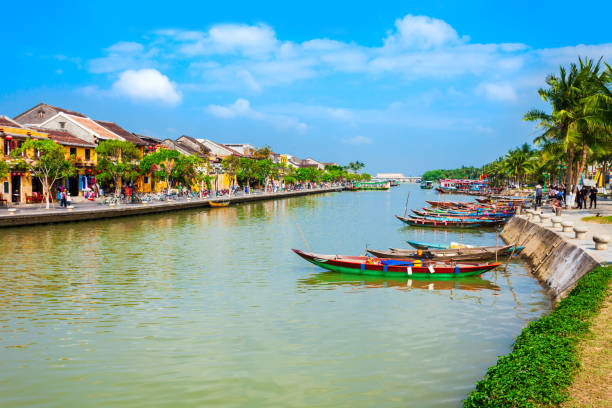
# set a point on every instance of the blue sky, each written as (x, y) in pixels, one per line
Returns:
(402, 86)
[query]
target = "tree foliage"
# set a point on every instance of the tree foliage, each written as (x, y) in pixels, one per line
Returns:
(117, 160)
(45, 160)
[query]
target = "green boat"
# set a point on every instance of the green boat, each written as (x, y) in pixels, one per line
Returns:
(399, 268)
(427, 185)
(373, 185)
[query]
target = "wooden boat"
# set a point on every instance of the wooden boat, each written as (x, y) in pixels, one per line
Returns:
(426, 245)
(453, 214)
(364, 265)
(443, 223)
(427, 185)
(452, 245)
(462, 254)
(219, 203)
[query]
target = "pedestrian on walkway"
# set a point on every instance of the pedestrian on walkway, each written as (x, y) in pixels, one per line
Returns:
(63, 199)
(538, 195)
(593, 198)
(579, 198)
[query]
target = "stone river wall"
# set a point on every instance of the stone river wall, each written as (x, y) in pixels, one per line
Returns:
(556, 261)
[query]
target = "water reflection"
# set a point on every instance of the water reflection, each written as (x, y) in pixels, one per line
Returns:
(333, 279)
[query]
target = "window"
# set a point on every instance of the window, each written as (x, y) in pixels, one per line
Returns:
(41, 113)
(62, 125)
(6, 187)
(73, 151)
(7, 148)
(87, 154)
(146, 180)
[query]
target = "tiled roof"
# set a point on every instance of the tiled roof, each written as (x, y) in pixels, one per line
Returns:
(96, 128)
(234, 152)
(65, 138)
(6, 121)
(69, 112)
(148, 139)
(118, 130)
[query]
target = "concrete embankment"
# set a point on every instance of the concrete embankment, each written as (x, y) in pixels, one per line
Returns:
(558, 261)
(35, 216)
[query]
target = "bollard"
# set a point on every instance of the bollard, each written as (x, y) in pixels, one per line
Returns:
(601, 241)
(12, 211)
(556, 222)
(519, 210)
(567, 226)
(580, 232)
(544, 219)
(70, 207)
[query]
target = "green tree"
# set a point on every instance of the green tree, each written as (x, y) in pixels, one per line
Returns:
(4, 169)
(232, 166)
(116, 160)
(163, 165)
(45, 160)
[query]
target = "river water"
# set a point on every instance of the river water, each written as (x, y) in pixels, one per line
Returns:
(211, 308)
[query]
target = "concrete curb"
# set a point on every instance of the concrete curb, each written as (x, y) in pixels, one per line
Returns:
(87, 214)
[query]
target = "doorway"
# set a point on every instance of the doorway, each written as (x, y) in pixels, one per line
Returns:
(73, 186)
(16, 188)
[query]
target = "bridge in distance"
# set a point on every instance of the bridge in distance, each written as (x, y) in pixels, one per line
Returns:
(398, 176)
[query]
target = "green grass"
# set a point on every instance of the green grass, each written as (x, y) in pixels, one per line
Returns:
(544, 358)
(599, 220)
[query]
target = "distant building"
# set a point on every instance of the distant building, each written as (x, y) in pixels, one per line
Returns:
(242, 148)
(394, 176)
(41, 113)
(219, 149)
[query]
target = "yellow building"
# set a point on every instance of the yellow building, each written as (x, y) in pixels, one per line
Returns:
(19, 185)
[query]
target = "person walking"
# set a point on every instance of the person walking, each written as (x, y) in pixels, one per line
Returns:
(593, 197)
(63, 200)
(538, 195)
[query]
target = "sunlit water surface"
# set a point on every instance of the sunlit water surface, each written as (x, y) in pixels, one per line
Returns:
(211, 308)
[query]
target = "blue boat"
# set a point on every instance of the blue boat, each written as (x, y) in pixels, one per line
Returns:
(426, 245)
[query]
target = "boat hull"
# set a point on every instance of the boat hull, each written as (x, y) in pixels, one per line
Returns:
(358, 266)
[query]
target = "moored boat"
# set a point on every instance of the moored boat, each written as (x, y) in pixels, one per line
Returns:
(452, 245)
(446, 223)
(460, 254)
(427, 185)
(364, 265)
(219, 203)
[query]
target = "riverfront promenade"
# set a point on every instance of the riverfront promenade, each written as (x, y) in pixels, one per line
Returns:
(34, 214)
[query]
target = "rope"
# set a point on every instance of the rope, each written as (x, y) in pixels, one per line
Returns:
(300, 231)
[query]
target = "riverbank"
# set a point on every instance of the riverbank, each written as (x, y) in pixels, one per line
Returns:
(35, 214)
(557, 257)
(545, 356)
(552, 351)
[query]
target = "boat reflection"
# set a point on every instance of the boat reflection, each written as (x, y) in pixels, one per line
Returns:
(327, 279)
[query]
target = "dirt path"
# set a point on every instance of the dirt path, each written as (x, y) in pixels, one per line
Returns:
(592, 386)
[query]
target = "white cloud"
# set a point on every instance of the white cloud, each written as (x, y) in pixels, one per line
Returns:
(147, 85)
(421, 32)
(503, 92)
(358, 140)
(249, 40)
(242, 109)
(125, 47)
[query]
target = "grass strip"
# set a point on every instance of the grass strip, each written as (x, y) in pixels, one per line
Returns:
(599, 220)
(544, 359)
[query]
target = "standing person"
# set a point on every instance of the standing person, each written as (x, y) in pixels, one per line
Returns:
(579, 197)
(538, 195)
(593, 197)
(63, 200)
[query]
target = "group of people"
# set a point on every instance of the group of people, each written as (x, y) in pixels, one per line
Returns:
(585, 193)
(557, 195)
(63, 196)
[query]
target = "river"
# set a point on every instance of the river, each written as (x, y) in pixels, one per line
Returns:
(211, 308)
